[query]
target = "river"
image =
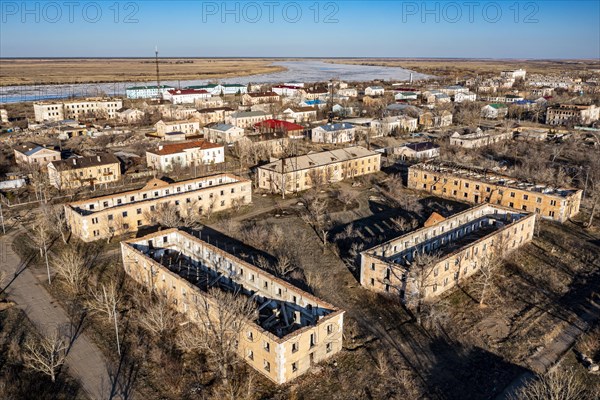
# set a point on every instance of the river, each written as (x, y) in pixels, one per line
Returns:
(303, 71)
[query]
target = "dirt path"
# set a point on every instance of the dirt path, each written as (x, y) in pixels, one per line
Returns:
(84, 361)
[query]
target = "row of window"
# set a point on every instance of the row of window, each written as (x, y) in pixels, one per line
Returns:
(166, 192)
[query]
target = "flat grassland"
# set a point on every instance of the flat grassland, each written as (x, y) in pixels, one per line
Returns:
(54, 71)
(461, 66)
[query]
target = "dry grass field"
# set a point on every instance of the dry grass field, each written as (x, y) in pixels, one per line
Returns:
(51, 71)
(445, 67)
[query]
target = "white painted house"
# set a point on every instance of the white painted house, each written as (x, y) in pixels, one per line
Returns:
(334, 133)
(223, 133)
(374, 91)
(146, 92)
(187, 127)
(188, 154)
(186, 96)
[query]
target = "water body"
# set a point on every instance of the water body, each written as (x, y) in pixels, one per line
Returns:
(303, 71)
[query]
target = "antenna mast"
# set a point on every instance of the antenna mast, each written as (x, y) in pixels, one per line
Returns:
(157, 75)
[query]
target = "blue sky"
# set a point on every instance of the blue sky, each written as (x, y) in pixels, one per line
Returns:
(491, 29)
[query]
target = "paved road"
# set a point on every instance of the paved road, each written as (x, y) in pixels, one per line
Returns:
(84, 361)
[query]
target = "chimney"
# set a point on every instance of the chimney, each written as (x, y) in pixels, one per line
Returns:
(74, 161)
(160, 146)
(297, 317)
(99, 159)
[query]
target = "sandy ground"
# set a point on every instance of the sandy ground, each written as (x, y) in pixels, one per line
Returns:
(438, 66)
(48, 71)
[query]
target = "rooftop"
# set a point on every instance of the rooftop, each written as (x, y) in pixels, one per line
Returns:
(484, 175)
(175, 148)
(85, 162)
(319, 159)
(192, 259)
(278, 124)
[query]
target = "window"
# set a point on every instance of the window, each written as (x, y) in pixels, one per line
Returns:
(329, 329)
(525, 197)
(110, 217)
(372, 266)
(512, 194)
(139, 211)
(105, 204)
(266, 346)
(250, 355)
(249, 335)
(329, 347)
(294, 367)
(124, 213)
(294, 347)
(267, 365)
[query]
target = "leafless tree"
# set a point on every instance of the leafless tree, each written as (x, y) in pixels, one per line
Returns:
(284, 266)
(42, 237)
(420, 271)
(558, 384)
(56, 220)
(221, 316)
(346, 198)
(104, 300)
(70, 266)
(157, 316)
(172, 216)
(490, 264)
(316, 179)
(316, 216)
(46, 354)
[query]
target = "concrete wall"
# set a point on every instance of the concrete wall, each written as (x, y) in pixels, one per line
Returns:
(474, 190)
(286, 357)
(384, 268)
(107, 216)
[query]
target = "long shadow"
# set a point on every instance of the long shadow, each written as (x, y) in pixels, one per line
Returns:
(464, 372)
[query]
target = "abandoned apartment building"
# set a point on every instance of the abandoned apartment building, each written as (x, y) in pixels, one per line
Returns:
(120, 213)
(475, 185)
(455, 247)
(292, 329)
(296, 174)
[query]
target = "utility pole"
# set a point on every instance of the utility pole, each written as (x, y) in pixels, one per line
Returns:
(157, 75)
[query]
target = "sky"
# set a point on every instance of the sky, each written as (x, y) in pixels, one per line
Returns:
(346, 28)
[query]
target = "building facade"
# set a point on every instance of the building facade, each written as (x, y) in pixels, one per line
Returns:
(121, 213)
(295, 174)
(572, 114)
(246, 119)
(147, 92)
(290, 331)
(479, 138)
(250, 99)
(474, 185)
(334, 133)
(84, 171)
(35, 155)
(188, 127)
(183, 155)
(454, 249)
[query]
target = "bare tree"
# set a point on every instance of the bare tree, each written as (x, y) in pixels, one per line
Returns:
(46, 354)
(316, 216)
(173, 216)
(221, 316)
(41, 236)
(558, 384)
(420, 271)
(104, 300)
(70, 266)
(490, 265)
(284, 266)
(56, 220)
(157, 316)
